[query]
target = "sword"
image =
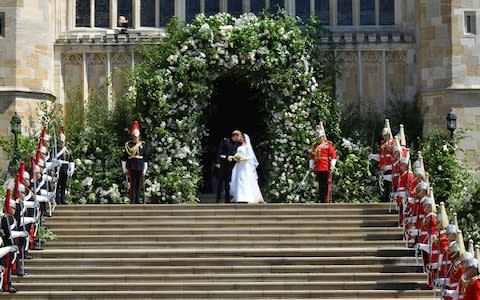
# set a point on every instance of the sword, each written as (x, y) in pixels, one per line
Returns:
(143, 188)
(302, 183)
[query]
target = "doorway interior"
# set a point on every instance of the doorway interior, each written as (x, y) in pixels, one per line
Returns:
(234, 105)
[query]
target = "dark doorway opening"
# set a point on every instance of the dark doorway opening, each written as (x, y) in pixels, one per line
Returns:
(234, 105)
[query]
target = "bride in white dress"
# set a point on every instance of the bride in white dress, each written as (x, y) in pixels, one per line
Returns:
(244, 184)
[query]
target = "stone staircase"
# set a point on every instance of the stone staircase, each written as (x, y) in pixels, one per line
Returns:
(228, 251)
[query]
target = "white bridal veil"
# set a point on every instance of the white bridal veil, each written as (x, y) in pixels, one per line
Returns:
(250, 152)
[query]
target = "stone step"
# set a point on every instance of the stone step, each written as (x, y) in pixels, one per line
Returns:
(211, 269)
(230, 206)
(226, 294)
(237, 213)
(365, 235)
(206, 276)
(245, 252)
(326, 224)
(209, 285)
(222, 218)
(224, 260)
(253, 229)
(104, 244)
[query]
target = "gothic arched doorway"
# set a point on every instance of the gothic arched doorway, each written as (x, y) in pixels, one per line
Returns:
(234, 105)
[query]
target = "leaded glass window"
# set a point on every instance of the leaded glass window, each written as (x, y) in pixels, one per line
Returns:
(147, 13)
(82, 13)
(102, 13)
(344, 12)
(192, 8)
(167, 11)
(212, 7)
(124, 8)
(367, 12)
(302, 9)
(234, 7)
(322, 10)
(275, 5)
(387, 12)
(257, 6)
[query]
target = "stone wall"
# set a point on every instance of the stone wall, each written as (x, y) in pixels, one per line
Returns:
(26, 64)
(451, 77)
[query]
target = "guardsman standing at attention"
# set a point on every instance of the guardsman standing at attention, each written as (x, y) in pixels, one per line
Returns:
(7, 223)
(65, 169)
(323, 158)
(135, 163)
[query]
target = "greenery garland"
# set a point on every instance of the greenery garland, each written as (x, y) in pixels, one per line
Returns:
(172, 88)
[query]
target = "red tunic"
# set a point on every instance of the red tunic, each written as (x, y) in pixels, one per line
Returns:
(442, 245)
(386, 155)
(322, 154)
(473, 289)
(455, 278)
(396, 172)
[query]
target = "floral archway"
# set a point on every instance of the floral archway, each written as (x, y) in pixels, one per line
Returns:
(172, 89)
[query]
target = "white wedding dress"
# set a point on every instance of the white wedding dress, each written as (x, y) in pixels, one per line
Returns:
(244, 184)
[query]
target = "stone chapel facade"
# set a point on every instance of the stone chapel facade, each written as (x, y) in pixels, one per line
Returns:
(410, 49)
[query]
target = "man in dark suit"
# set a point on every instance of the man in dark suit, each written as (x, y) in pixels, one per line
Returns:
(226, 147)
(134, 163)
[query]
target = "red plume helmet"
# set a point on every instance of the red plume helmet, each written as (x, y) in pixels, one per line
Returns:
(38, 155)
(7, 202)
(135, 131)
(21, 170)
(40, 143)
(44, 132)
(16, 189)
(61, 135)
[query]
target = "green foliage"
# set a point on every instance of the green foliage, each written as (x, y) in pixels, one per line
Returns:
(364, 120)
(95, 137)
(171, 90)
(452, 182)
(448, 177)
(46, 234)
(468, 210)
(355, 178)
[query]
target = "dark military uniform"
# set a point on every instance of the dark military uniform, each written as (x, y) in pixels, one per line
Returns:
(7, 221)
(135, 156)
(226, 147)
(64, 157)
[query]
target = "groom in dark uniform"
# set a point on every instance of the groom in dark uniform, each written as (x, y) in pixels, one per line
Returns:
(134, 163)
(226, 147)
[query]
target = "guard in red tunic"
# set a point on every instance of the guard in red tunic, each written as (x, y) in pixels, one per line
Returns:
(404, 188)
(441, 244)
(427, 239)
(472, 279)
(451, 290)
(323, 158)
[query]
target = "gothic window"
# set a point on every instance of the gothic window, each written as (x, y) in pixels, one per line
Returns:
(234, 7)
(367, 12)
(257, 6)
(167, 11)
(302, 9)
(102, 13)
(322, 10)
(147, 13)
(275, 5)
(2, 24)
(470, 22)
(192, 8)
(212, 7)
(82, 13)
(124, 8)
(387, 12)
(344, 12)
